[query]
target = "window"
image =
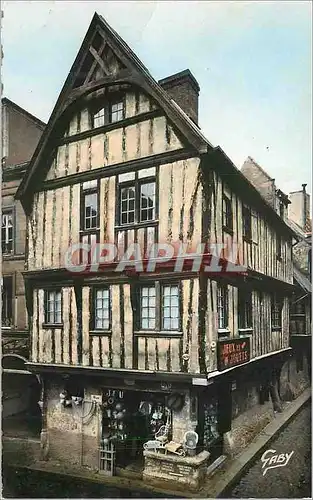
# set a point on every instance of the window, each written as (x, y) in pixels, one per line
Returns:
(102, 309)
(90, 206)
(116, 111)
(245, 309)
(278, 246)
(7, 232)
(298, 316)
(170, 307)
(276, 312)
(137, 202)
(7, 299)
(99, 118)
(53, 307)
(246, 220)
(148, 306)
(89, 217)
(147, 201)
(281, 209)
(227, 214)
(160, 307)
(128, 205)
(222, 307)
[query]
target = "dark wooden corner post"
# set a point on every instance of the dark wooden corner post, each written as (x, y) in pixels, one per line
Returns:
(29, 291)
(135, 304)
(44, 435)
(78, 289)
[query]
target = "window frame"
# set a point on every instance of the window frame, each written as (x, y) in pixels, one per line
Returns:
(89, 233)
(136, 184)
(46, 323)
(118, 98)
(246, 216)
(243, 303)
(105, 103)
(227, 214)
(222, 293)
(276, 301)
(93, 297)
(159, 287)
(8, 302)
(8, 211)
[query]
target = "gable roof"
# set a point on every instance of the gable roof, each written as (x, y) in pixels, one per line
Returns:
(135, 73)
(10, 104)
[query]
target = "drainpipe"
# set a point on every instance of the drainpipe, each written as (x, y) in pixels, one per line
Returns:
(304, 206)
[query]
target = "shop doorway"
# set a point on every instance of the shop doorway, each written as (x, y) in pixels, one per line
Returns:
(129, 419)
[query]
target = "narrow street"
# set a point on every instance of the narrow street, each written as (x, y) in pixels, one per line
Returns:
(292, 481)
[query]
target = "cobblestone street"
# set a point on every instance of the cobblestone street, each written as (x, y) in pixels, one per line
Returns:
(292, 481)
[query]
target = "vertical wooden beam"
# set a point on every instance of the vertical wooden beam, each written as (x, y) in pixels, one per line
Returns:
(78, 287)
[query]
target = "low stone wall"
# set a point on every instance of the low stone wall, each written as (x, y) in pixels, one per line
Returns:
(175, 471)
(249, 416)
(294, 377)
(246, 427)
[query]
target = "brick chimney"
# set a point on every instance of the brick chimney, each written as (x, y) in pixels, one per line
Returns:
(184, 89)
(299, 209)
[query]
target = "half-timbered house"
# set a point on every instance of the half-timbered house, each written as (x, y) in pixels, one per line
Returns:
(123, 352)
(19, 136)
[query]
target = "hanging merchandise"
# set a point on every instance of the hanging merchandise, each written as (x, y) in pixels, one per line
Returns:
(175, 401)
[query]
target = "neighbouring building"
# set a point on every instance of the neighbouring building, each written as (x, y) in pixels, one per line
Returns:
(21, 132)
(295, 210)
(124, 355)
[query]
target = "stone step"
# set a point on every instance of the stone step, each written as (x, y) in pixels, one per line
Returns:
(217, 464)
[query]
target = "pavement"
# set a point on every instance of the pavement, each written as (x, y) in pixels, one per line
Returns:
(217, 486)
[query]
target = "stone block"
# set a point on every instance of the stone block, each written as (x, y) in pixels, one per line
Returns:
(175, 471)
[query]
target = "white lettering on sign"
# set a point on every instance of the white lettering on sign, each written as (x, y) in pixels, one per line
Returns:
(271, 460)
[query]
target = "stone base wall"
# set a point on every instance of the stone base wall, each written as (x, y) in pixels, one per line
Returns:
(294, 377)
(67, 447)
(180, 473)
(246, 427)
(249, 416)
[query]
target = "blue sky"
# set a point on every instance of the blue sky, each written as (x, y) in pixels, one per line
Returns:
(251, 59)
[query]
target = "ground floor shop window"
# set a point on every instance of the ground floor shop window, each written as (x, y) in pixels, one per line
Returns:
(131, 418)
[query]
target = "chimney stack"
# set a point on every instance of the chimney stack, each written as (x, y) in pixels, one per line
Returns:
(184, 89)
(299, 209)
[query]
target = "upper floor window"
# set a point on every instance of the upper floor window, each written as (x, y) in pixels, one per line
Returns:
(137, 202)
(7, 232)
(246, 221)
(227, 214)
(298, 316)
(117, 110)
(222, 307)
(101, 304)
(276, 312)
(281, 209)
(99, 118)
(245, 309)
(112, 111)
(7, 299)
(53, 307)
(89, 205)
(160, 307)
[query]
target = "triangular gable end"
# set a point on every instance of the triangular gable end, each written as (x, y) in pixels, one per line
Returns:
(104, 58)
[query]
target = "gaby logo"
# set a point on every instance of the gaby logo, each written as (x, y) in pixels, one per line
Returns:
(271, 460)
